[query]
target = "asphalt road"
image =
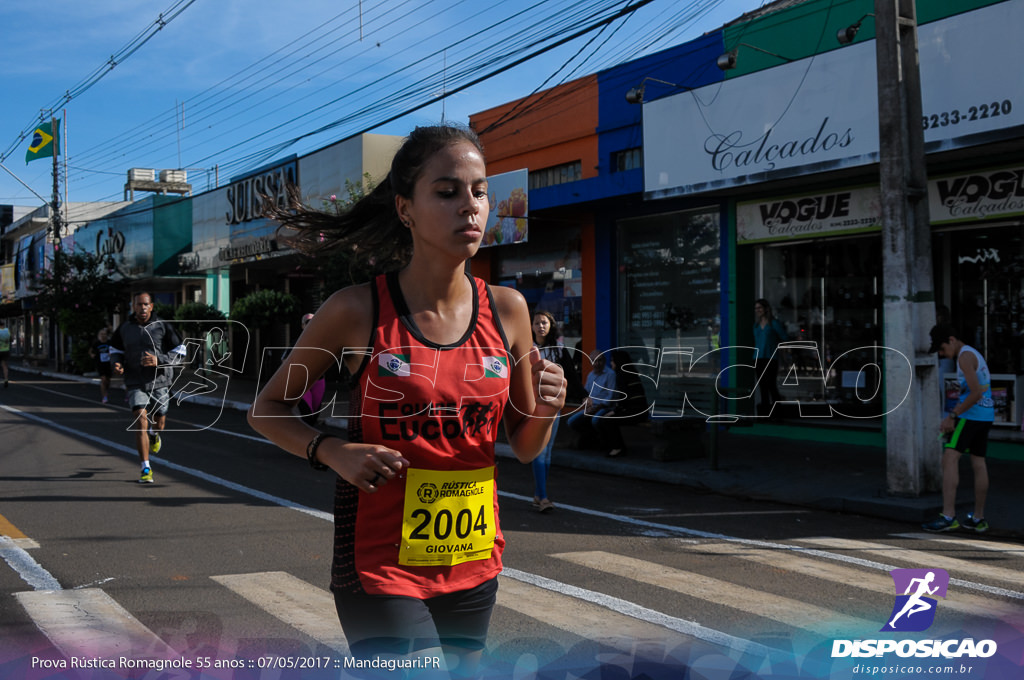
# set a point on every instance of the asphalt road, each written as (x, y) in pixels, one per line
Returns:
(225, 559)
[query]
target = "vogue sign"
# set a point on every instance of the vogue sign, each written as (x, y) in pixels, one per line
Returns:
(840, 212)
(977, 196)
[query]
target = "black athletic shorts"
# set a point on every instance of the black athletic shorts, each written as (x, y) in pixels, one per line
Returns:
(376, 625)
(970, 436)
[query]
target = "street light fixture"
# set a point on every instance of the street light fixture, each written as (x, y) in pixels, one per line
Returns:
(846, 35)
(727, 61)
(635, 95)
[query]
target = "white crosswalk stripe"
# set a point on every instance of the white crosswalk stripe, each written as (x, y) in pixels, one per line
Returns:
(967, 543)
(964, 569)
(785, 610)
(858, 578)
(89, 623)
(303, 606)
(572, 609)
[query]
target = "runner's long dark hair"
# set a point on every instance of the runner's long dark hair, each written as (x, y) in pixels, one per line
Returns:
(371, 228)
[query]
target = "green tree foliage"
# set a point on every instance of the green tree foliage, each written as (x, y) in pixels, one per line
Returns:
(191, 316)
(79, 295)
(163, 310)
(264, 308)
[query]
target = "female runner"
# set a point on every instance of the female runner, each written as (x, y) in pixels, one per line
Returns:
(438, 358)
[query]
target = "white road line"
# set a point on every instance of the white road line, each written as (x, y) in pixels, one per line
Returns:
(792, 561)
(635, 611)
(213, 479)
(299, 604)
(930, 559)
(30, 571)
(579, 616)
(818, 620)
(89, 623)
(192, 427)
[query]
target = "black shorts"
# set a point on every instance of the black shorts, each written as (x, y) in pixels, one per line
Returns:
(970, 436)
(376, 625)
(4, 355)
(104, 370)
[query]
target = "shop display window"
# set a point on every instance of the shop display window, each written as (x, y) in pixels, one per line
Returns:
(546, 270)
(827, 295)
(985, 291)
(982, 285)
(669, 293)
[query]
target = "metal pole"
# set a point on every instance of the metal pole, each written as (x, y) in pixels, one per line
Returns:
(912, 460)
(55, 224)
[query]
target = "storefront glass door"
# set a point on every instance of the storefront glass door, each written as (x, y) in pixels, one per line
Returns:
(669, 294)
(827, 294)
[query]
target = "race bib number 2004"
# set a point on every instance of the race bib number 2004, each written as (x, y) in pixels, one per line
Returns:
(448, 517)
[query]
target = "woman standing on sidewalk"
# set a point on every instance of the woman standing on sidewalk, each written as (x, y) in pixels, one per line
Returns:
(768, 333)
(417, 539)
(545, 339)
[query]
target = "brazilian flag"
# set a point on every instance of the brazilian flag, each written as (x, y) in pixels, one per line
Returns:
(45, 141)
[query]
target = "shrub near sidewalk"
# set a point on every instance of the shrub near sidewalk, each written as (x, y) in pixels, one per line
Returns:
(191, 315)
(198, 320)
(263, 310)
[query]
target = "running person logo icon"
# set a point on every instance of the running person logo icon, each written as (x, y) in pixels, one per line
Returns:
(914, 611)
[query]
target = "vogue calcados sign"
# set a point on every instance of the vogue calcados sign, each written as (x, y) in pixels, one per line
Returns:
(843, 211)
(747, 130)
(980, 195)
(977, 196)
(820, 113)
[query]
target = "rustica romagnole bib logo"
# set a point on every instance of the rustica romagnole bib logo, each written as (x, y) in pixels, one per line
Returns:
(427, 493)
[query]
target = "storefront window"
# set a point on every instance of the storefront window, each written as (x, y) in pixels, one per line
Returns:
(546, 270)
(669, 291)
(985, 292)
(827, 293)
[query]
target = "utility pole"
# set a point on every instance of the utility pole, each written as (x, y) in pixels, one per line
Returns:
(913, 462)
(56, 225)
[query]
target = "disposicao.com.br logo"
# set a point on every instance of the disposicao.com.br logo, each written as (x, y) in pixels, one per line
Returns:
(914, 611)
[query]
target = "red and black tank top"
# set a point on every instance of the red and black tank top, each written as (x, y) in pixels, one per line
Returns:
(434, 529)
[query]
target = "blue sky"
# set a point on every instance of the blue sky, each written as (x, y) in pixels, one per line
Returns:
(234, 84)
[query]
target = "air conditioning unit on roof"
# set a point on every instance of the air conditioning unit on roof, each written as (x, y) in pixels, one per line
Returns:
(173, 176)
(141, 175)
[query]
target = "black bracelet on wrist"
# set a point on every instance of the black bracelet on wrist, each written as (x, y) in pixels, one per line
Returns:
(311, 451)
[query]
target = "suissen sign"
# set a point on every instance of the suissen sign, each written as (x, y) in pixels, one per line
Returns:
(821, 113)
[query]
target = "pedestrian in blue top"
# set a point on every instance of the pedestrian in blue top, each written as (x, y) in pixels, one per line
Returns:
(600, 388)
(966, 428)
(5, 348)
(768, 333)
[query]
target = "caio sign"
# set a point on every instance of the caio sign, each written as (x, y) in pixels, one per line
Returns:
(109, 243)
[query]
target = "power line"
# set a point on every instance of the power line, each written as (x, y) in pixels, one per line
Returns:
(121, 55)
(541, 30)
(272, 80)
